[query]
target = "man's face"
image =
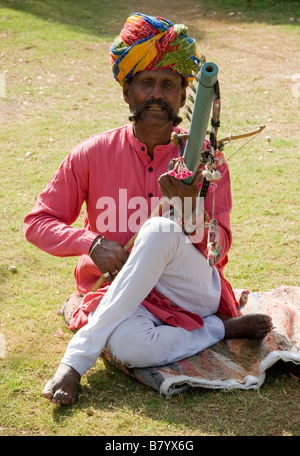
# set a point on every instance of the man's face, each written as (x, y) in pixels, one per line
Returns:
(155, 97)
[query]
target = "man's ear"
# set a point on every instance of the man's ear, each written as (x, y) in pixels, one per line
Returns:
(126, 88)
(183, 97)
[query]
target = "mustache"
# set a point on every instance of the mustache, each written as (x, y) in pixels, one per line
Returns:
(138, 111)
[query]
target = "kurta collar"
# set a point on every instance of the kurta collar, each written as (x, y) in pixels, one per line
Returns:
(141, 148)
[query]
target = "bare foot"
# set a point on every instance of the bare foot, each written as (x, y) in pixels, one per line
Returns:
(62, 389)
(250, 326)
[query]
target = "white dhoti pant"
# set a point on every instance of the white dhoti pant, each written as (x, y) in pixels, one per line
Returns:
(162, 258)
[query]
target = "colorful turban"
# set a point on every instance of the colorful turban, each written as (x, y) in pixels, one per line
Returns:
(149, 43)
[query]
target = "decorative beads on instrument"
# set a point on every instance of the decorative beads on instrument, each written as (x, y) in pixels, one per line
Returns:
(213, 247)
(180, 170)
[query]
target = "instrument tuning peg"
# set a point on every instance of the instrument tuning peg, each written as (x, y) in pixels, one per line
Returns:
(193, 88)
(187, 116)
(191, 98)
(197, 77)
(202, 60)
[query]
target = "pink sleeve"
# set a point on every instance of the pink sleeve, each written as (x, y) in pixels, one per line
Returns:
(223, 205)
(47, 226)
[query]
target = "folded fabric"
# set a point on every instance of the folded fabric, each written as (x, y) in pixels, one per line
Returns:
(157, 304)
(236, 363)
(149, 43)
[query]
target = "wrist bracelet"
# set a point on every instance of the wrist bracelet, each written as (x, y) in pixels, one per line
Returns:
(96, 242)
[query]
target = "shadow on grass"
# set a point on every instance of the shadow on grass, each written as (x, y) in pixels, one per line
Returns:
(198, 411)
(104, 18)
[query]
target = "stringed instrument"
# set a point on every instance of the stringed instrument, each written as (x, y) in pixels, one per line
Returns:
(192, 152)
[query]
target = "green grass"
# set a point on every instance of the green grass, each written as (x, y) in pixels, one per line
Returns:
(59, 90)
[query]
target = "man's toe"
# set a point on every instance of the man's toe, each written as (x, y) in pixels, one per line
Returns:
(60, 397)
(47, 391)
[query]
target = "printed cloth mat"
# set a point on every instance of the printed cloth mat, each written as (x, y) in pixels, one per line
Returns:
(229, 364)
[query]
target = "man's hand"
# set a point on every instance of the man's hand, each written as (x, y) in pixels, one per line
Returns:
(171, 187)
(109, 257)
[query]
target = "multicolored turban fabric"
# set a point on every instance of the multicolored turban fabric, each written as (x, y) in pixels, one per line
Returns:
(149, 43)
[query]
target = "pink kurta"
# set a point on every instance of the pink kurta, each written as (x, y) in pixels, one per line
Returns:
(113, 174)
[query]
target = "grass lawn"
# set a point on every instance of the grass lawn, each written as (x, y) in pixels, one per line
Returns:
(56, 89)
